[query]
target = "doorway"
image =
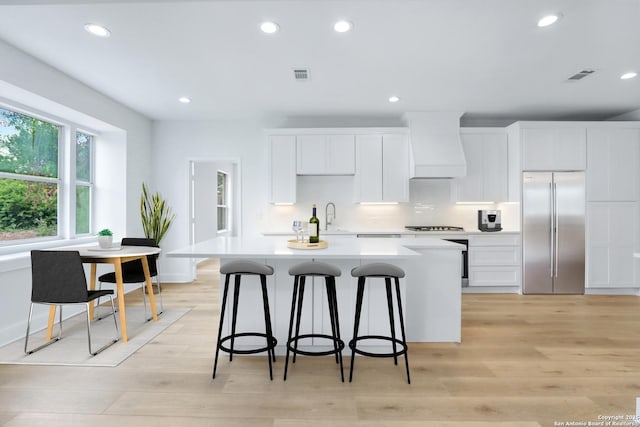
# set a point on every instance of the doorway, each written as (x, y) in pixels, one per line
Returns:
(214, 199)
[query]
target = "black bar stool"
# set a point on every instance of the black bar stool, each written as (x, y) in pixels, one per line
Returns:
(237, 269)
(387, 272)
(329, 272)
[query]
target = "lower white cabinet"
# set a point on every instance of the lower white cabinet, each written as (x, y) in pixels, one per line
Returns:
(612, 238)
(494, 260)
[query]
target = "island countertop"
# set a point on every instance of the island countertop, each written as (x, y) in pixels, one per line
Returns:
(431, 286)
(276, 247)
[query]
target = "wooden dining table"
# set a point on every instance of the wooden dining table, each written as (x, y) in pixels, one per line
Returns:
(117, 256)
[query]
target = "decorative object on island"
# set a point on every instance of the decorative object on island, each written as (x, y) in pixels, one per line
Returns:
(156, 215)
(294, 244)
(105, 238)
(314, 227)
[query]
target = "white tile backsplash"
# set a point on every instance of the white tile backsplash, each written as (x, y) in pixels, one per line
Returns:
(430, 204)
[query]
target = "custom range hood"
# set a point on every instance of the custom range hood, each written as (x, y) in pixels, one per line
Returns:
(436, 149)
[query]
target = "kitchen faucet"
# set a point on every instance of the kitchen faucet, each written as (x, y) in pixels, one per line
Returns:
(329, 219)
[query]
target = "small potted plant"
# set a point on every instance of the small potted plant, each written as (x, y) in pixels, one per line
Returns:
(105, 238)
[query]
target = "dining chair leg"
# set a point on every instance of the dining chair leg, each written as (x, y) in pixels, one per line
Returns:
(110, 343)
(48, 343)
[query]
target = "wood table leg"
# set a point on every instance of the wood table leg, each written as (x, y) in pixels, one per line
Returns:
(52, 318)
(152, 299)
(92, 287)
(120, 295)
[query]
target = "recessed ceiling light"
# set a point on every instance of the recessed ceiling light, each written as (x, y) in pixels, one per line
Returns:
(269, 27)
(184, 99)
(549, 20)
(393, 99)
(97, 30)
(629, 75)
(342, 26)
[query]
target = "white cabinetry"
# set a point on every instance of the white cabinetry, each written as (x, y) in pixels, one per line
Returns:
(613, 158)
(494, 260)
(325, 154)
(382, 168)
(554, 147)
(282, 169)
(612, 230)
(487, 170)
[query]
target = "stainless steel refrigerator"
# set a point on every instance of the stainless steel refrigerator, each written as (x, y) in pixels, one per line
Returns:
(553, 211)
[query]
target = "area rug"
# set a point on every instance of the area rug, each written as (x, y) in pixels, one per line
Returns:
(72, 349)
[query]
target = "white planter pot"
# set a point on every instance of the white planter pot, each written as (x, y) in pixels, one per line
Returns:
(105, 241)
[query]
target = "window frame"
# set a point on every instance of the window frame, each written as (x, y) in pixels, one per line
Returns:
(89, 184)
(224, 206)
(65, 181)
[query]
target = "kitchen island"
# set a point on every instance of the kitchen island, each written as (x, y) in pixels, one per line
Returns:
(431, 289)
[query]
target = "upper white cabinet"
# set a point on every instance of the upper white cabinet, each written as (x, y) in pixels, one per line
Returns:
(554, 148)
(485, 151)
(382, 168)
(613, 159)
(282, 169)
(326, 154)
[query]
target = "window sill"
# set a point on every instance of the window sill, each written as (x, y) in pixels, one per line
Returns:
(17, 257)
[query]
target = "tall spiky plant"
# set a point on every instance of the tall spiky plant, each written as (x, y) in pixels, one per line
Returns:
(156, 215)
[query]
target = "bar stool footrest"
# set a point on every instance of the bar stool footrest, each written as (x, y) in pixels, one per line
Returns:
(336, 340)
(402, 350)
(272, 343)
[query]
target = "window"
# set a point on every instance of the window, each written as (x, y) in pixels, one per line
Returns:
(84, 181)
(32, 179)
(223, 196)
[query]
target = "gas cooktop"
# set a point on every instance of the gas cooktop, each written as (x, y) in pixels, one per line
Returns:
(433, 228)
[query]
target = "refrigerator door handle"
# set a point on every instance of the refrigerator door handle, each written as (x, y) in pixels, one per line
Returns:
(556, 228)
(551, 223)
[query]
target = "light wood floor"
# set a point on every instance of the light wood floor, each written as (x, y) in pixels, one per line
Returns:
(525, 361)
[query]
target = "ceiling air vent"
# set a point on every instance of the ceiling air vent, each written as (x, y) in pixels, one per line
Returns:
(581, 75)
(301, 74)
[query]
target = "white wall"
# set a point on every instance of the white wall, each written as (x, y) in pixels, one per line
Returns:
(176, 144)
(34, 85)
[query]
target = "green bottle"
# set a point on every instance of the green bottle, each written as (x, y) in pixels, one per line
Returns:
(314, 227)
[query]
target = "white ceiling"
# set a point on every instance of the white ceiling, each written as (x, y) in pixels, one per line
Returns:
(486, 58)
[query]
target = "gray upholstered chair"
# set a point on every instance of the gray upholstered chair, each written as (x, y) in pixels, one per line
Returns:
(57, 278)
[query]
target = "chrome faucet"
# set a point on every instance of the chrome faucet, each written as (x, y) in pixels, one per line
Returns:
(329, 219)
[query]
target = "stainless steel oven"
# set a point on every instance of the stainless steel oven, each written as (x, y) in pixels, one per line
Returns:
(465, 259)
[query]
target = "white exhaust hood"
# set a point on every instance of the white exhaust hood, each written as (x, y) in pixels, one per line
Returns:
(436, 149)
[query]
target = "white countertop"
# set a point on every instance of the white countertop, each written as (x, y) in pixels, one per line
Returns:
(276, 247)
(402, 232)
